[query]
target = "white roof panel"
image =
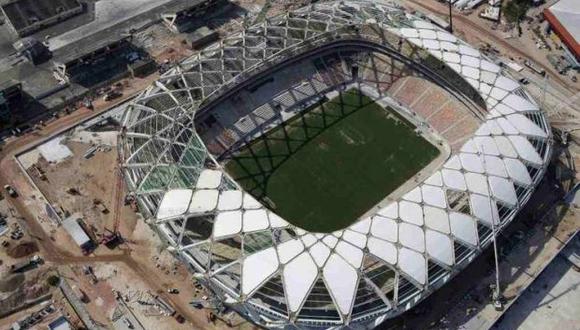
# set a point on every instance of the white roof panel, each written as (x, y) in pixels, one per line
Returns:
(420, 24)
(518, 171)
(489, 66)
(471, 162)
(526, 150)
(506, 83)
(507, 127)
(230, 200)
(384, 228)
(330, 241)
(412, 237)
(433, 196)
(390, 211)
(174, 203)
(470, 61)
(503, 109)
(476, 183)
(463, 227)
(298, 286)
(482, 207)
(289, 250)
(414, 195)
(410, 33)
(526, 126)
(342, 281)
(276, 221)
(498, 93)
(209, 179)
(467, 50)
(350, 253)
(436, 219)
(413, 264)
(411, 212)
(453, 163)
(363, 226)
(250, 202)
(494, 166)
(472, 73)
(451, 57)
(505, 147)
(203, 201)
(448, 46)
(488, 78)
(257, 268)
(427, 34)
(503, 190)
(384, 250)
(309, 240)
(439, 247)
(435, 179)
(320, 253)
(355, 238)
(431, 44)
(518, 103)
(227, 223)
(255, 220)
(454, 179)
(445, 36)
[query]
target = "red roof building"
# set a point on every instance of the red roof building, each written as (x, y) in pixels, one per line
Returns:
(564, 18)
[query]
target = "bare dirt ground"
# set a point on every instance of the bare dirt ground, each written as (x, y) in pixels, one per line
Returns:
(92, 180)
(142, 259)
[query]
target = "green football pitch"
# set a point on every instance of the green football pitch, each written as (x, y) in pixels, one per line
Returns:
(326, 167)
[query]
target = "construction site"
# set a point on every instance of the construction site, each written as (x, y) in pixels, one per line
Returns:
(81, 247)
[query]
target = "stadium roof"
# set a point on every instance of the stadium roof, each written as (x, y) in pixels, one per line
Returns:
(277, 271)
(564, 16)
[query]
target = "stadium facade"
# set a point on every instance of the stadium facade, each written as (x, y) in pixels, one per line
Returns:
(178, 132)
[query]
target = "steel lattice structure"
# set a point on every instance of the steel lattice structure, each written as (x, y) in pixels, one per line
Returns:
(281, 276)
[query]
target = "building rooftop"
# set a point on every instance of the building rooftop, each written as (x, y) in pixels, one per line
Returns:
(564, 15)
(72, 226)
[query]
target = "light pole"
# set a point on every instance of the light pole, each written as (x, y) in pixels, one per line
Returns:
(450, 17)
(496, 296)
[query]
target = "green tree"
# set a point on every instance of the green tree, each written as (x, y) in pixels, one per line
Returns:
(515, 10)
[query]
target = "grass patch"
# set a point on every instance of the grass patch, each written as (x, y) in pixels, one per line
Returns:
(326, 167)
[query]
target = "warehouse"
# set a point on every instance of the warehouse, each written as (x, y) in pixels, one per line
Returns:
(564, 18)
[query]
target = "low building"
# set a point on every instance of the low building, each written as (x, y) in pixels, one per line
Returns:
(201, 37)
(28, 16)
(10, 94)
(564, 19)
(99, 62)
(185, 20)
(60, 323)
(77, 232)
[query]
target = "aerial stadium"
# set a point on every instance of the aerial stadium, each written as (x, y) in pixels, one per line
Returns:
(334, 165)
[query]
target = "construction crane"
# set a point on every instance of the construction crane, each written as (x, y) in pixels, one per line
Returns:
(114, 237)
